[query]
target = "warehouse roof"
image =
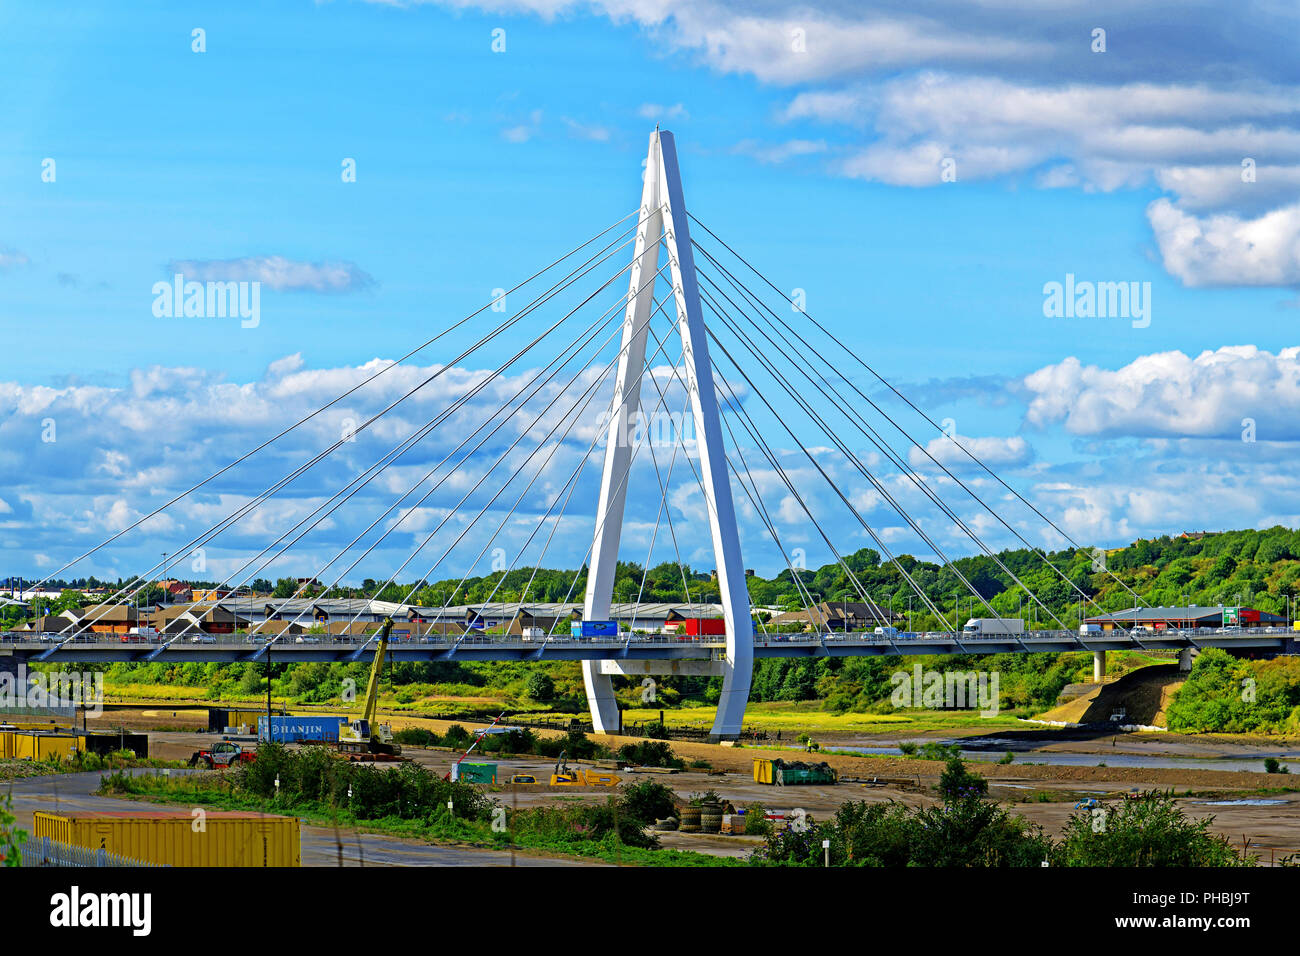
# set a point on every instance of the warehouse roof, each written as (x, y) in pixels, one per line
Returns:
(1193, 612)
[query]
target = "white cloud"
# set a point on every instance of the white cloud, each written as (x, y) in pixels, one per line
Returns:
(1013, 89)
(780, 152)
(11, 259)
(592, 132)
(1225, 249)
(276, 272)
(660, 113)
(1170, 394)
(523, 132)
(994, 451)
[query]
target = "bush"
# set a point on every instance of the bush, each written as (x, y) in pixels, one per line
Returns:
(457, 736)
(648, 801)
(956, 782)
(416, 737)
(582, 822)
(1150, 830)
(650, 753)
(315, 775)
(522, 741)
(967, 833)
(933, 750)
(756, 821)
(575, 744)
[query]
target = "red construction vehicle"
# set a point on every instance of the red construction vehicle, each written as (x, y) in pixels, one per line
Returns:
(224, 754)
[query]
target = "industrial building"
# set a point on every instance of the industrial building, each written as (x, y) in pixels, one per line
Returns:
(356, 616)
(837, 616)
(1183, 618)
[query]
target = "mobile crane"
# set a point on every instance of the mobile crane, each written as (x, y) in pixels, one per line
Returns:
(362, 735)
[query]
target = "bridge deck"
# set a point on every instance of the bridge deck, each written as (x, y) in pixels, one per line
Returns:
(229, 648)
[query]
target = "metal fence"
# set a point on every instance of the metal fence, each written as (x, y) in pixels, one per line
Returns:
(42, 851)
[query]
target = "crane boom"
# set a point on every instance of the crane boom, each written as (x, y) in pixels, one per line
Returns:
(362, 735)
(372, 688)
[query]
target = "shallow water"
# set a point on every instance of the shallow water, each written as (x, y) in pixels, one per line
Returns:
(1056, 758)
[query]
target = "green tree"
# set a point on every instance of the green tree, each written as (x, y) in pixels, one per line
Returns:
(540, 687)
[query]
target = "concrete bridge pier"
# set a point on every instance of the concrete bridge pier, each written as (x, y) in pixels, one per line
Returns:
(1185, 658)
(1098, 666)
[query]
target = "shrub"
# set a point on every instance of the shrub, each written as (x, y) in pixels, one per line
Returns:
(650, 753)
(416, 737)
(933, 750)
(648, 801)
(456, 736)
(582, 822)
(575, 744)
(756, 821)
(1150, 830)
(956, 782)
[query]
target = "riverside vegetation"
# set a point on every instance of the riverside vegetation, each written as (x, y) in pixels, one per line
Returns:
(968, 830)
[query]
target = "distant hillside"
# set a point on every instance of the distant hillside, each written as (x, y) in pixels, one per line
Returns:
(1257, 568)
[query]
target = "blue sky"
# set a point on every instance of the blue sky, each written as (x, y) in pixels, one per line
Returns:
(474, 168)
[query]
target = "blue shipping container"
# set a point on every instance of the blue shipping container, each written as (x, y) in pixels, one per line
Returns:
(291, 729)
(594, 629)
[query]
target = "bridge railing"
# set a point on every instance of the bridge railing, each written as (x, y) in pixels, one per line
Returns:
(641, 641)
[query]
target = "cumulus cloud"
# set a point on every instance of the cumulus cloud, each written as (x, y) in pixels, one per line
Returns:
(994, 451)
(276, 272)
(1015, 89)
(1225, 249)
(1172, 395)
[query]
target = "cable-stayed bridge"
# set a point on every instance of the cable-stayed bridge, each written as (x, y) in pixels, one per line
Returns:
(702, 371)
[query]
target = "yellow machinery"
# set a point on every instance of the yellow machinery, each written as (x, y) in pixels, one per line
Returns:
(363, 735)
(564, 776)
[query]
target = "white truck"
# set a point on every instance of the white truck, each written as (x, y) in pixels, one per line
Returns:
(993, 625)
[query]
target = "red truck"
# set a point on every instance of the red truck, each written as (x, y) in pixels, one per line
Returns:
(705, 626)
(224, 754)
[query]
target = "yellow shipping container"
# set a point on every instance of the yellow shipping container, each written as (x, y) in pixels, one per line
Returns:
(32, 746)
(762, 771)
(169, 837)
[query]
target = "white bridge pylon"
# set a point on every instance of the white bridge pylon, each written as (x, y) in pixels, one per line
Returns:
(664, 212)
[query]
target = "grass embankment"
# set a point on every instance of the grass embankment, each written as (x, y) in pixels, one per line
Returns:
(412, 803)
